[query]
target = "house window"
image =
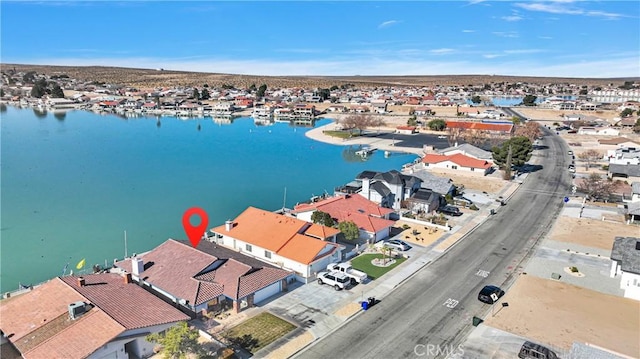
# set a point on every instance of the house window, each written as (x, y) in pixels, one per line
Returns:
(454, 167)
(267, 254)
(472, 169)
(247, 247)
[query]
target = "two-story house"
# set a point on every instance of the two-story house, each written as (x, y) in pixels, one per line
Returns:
(388, 189)
(302, 247)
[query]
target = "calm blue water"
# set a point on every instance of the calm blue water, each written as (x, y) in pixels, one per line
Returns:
(72, 186)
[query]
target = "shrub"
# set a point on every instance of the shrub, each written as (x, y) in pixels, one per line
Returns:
(574, 269)
(406, 226)
(473, 207)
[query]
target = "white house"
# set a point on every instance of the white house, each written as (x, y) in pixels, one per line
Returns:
(458, 162)
(302, 247)
(601, 131)
(625, 256)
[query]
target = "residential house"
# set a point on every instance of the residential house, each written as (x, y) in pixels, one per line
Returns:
(496, 128)
(379, 107)
(624, 156)
(630, 172)
(291, 243)
(441, 185)
(425, 200)
(94, 316)
(337, 108)
(467, 150)
(406, 130)
(625, 257)
(206, 278)
(422, 111)
(223, 108)
(59, 103)
(619, 142)
(372, 220)
(627, 122)
(601, 131)
(635, 192)
(388, 189)
(457, 161)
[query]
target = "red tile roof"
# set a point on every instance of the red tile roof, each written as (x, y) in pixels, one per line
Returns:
(276, 233)
(409, 128)
(364, 213)
(458, 158)
(481, 126)
(38, 324)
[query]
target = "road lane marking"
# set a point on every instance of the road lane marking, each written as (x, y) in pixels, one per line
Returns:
(482, 273)
(451, 303)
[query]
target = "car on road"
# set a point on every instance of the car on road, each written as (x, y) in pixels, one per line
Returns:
(490, 294)
(442, 137)
(397, 245)
(336, 279)
(572, 168)
(450, 210)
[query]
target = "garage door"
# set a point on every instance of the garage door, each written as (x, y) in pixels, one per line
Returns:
(266, 292)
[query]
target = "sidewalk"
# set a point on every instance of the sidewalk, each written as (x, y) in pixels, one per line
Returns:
(350, 305)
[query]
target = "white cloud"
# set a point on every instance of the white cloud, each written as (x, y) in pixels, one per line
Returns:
(545, 37)
(523, 51)
(441, 51)
(468, 31)
(509, 34)
(499, 63)
(561, 7)
(512, 18)
(387, 23)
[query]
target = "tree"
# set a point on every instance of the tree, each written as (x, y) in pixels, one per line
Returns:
(529, 100)
(626, 112)
(322, 218)
(437, 124)
(333, 88)
(516, 120)
(412, 121)
(204, 95)
(518, 149)
(177, 341)
(324, 94)
(361, 122)
(29, 77)
(38, 90)
(636, 127)
(590, 156)
(350, 230)
(596, 187)
(57, 92)
(530, 130)
(476, 99)
(196, 94)
(261, 90)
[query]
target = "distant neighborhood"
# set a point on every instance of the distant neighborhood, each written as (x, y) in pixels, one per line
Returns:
(378, 225)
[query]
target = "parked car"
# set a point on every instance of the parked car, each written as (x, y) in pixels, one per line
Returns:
(490, 294)
(442, 137)
(450, 210)
(570, 153)
(346, 268)
(336, 279)
(397, 245)
(531, 350)
(572, 168)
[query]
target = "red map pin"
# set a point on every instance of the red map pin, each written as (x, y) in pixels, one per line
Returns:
(195, 233)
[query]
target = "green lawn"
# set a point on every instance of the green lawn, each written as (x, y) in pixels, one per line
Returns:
(363, 263)
(256, 333)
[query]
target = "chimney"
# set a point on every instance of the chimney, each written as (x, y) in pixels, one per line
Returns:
(228, 225)
(80, 282)
(455, 144)
(365, 187)
(137, 266)
(127, 278)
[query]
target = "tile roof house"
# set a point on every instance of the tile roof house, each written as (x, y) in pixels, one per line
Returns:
(302, 247)
(206, 278)
(372, 220)
(94, 316)
(625, 257)
(498, 128)
(457, 161)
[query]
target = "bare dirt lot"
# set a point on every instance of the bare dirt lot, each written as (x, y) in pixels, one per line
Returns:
(590, 232)
(557, 313)
(487, 184)
(423, 235)
(556, 115)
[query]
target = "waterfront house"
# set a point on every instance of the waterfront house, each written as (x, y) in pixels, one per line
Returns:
(204, 279)
(625, 257)
(438, 184)
(458, 162)
(388, 189)
(94, 316)
(287, 242)
(372, 220)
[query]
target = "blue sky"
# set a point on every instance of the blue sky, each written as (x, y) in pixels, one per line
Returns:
(528, 37)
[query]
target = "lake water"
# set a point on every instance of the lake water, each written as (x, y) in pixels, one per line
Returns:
(71, 185)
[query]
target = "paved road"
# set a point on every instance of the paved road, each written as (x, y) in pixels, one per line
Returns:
(436, 306)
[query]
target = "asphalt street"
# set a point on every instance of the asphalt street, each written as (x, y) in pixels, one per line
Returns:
(431, 313)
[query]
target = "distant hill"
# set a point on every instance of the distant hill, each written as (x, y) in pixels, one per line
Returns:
(147, 78)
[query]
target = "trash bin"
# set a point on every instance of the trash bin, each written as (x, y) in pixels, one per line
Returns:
(372, 301)
(493, 211)
(477, 321)
(365, 305)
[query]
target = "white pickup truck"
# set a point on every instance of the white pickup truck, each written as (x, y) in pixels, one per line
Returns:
(346, 268)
